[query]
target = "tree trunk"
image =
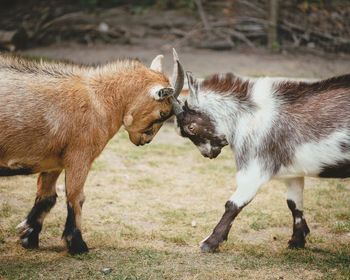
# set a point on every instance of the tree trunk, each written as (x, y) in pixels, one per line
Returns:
(272, 28)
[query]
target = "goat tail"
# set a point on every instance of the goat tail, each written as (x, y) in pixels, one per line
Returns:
(5, 171)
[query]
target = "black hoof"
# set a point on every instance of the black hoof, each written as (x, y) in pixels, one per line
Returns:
(208, 247)
(76, 245)
(30, 239)
(296, 244)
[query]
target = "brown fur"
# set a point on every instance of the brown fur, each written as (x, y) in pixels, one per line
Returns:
(227, 83)
(56, 116)
(222, 229)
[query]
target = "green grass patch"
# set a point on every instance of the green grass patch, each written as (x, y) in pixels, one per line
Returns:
(340, 227)
(5, 210)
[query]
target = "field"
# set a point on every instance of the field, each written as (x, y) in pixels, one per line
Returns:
(147, 208)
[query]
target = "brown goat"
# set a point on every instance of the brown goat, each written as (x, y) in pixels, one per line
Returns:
(56, 116)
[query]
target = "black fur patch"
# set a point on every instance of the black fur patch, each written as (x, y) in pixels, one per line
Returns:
(40, 206)
(70, 222)
(30, 237)
(300, 230)
(77, 244)
(4, 171)
(341, 170)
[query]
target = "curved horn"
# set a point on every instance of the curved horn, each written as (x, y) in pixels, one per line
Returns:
(177, 82)
(174, 75)
(178, 77)
(176, 106)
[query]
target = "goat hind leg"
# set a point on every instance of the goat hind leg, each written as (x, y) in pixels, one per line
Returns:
(30, 228)
(295, 189)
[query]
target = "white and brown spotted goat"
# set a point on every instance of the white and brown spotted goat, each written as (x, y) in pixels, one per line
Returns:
(277, 128)
(56, 116)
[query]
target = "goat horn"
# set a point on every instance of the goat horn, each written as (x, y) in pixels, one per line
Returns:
(177, 82)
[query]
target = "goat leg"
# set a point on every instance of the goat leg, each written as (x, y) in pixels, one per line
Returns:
(30, 228)
(220, 232)
(295, 189)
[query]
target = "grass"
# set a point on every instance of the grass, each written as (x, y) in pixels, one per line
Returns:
(147, 208)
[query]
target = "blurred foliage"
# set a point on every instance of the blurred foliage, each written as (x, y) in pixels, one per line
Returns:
(173, 4)
(161, 4)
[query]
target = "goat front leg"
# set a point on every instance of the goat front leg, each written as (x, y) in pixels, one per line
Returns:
(75, 179)
(295, 189)
(45, 199)
(249, 181)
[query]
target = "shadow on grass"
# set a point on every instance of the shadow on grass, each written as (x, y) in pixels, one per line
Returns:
(150, 263)
(328, 261)
(52, 248)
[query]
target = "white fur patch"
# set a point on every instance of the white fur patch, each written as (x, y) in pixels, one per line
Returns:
(157, 63)
(15, 164)
(25, 241)
(311, 157)
(154, 92)
(257, 124)
(29, 230)
(295, 189)
(249, 180)
(22, 225)
(205, 239)
(204, 148)
(297, 220)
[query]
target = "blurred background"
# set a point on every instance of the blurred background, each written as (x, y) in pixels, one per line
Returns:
(252, 37)
(220, 25)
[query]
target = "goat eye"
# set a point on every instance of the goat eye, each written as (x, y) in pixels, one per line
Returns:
(191, 129)
(162, 114)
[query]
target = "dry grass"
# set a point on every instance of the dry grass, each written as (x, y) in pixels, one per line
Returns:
(138, 213)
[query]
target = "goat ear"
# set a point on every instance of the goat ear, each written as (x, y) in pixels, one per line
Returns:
(160, 93)
(157, 63)
(127, 121)
(192, 83)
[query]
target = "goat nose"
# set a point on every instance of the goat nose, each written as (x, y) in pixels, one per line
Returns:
(139, 143)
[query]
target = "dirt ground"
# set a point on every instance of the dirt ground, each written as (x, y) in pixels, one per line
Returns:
(147, 208)
(257, 62)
